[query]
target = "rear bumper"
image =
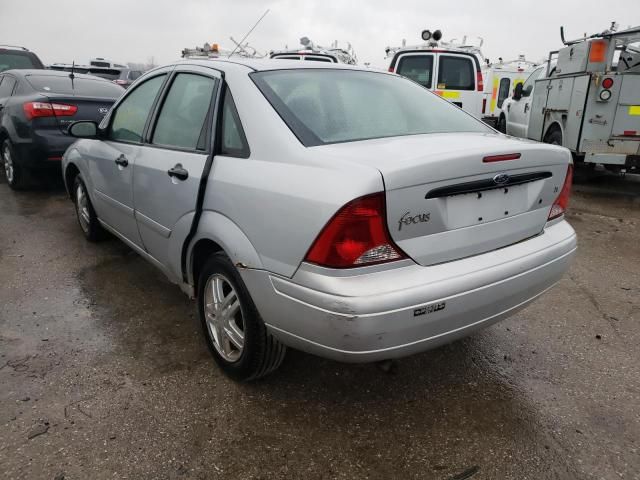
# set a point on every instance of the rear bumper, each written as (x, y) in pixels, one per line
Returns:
(409, 309)
(44, 149)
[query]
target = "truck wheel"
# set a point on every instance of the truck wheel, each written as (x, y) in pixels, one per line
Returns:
(87, 217)
(501, 126)
(235, 334)
(554, 137)
(15, 174)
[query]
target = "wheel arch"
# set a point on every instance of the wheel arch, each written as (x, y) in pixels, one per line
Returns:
(553, 127)
(217, 233)
(71, 171)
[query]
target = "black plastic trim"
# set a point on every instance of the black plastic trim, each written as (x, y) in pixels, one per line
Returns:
(486, 184)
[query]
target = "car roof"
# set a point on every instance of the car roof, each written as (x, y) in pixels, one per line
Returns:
(260, 64)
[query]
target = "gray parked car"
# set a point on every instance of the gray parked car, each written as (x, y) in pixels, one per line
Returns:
(348, 213)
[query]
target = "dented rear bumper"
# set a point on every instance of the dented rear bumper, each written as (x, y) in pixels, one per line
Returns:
(408, 309)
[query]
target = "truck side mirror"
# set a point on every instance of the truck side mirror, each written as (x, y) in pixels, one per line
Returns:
(517, 92)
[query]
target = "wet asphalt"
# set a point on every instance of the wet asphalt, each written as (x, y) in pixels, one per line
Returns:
(104, 373)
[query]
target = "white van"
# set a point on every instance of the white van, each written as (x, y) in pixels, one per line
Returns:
(449, 69)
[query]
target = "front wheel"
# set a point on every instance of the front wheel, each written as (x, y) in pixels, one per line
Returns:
(239, 341)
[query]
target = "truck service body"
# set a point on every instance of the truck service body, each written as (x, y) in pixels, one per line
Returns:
(584, 100)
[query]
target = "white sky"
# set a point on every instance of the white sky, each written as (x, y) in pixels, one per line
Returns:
(136, 30)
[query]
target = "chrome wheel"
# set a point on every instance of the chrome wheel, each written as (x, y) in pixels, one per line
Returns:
(8, 164)
(224, 319)
(82, 208)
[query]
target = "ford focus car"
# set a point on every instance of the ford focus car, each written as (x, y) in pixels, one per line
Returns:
(347, 213)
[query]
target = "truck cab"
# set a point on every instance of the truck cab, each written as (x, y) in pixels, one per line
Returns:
(449, 69)
(585, 98)
(309, 51)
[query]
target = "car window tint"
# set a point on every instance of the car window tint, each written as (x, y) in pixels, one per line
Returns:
(181, 120)
(284, 57)
(6, 87)
(327, 106)
(418, 68)
(131, 115)
(503, 90)
(233, 141)
(319, 59)
(106, 73)
(9, 60)
(78, 86)
(456, 73)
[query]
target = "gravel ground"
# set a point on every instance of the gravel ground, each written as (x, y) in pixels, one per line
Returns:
(104, 374)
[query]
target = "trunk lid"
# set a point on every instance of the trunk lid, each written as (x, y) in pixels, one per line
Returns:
(89, 108)
(444, 202)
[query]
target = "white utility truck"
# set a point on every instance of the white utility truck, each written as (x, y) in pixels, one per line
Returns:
(312, 52)
(500, 79)
(586, 98)
(449, 69)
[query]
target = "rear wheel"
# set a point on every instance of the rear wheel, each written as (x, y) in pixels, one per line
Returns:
(15, 174)
(87, 217)
(553, 136)
(236, 335)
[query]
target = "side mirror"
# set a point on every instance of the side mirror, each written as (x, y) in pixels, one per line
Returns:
(517, 92)
(84, 129)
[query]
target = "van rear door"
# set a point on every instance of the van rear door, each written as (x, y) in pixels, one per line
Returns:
(417, 66)
(457, 81)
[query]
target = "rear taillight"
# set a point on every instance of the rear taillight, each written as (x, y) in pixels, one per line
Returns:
(44, 109)
(480, 82)
(356, 236)
(562, 202)
(484, 105)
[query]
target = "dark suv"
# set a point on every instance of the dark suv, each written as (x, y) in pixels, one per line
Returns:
(12, 57)
(36, 108)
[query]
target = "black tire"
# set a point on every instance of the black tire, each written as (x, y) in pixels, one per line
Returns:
(17, 176)
(261, 353)
(87, 219)
(553, 136)
(501, 125)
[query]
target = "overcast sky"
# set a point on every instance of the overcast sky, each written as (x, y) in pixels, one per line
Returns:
(136, 30)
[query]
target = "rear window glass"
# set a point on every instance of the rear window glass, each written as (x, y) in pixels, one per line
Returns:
(319, 59)
(79, 86)
(286, 57)
(330, 106)
(9, 60)
(107, 74)
(100, 64)
(456, 73)
(418, 68)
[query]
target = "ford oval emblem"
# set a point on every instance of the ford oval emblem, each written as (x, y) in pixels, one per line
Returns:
(501, 178)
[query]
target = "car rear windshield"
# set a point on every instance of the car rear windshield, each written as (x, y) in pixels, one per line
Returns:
(78, 87)
(323, 106)
(10, 59)
(107, 74)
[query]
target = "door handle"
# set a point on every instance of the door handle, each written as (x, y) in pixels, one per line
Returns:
(179, 172)
(122, 161)
(526, 107)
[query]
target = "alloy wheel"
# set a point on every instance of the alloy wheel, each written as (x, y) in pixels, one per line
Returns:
(82, 208)
(224, 318)
(8, 164)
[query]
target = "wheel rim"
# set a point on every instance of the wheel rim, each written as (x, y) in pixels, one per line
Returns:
(224, 318)
(82, 208)
(8, 164)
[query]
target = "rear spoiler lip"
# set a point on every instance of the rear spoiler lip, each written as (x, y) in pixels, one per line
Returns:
(486, 184)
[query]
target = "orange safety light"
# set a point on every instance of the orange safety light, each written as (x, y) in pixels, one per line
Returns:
(598, 51)
(214, 47)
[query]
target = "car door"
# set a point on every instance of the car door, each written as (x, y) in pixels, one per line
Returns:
(7, 84)
(169, 167)
(111, 160)
(518, 110)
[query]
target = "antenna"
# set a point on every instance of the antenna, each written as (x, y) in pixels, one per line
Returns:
(73, 66)
(248, 33)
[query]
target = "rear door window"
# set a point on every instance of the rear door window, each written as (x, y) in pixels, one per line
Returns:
(233, 141)
(130, 117)
(418, 68)
(181, 121)
(6, 87)
(503, 90)
(456, 73)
